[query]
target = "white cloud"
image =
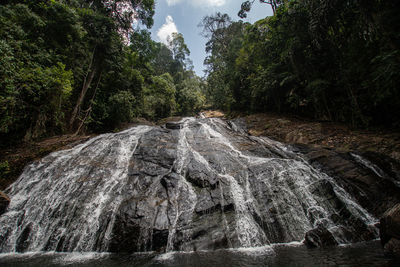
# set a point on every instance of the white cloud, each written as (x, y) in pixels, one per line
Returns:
(166, 30)
(173, 2)
(198, 3)
(208, 3)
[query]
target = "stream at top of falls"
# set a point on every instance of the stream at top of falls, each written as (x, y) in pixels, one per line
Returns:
(205, 186)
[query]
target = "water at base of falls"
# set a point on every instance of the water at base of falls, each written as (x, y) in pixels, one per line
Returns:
(361, 254)
(204, 186)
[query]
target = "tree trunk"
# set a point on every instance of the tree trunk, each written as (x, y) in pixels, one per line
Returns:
(82, 95)
(88, 111)
(86, 84)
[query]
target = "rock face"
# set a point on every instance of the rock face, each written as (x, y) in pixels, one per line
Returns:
(204, 185)
(4, 201)
(376, 187)
(389, 231)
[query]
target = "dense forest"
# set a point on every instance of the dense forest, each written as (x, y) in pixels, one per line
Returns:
(330, 60)
(74, 66)
(78, 65)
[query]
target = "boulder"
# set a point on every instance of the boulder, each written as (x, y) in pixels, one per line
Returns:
(173, 125)
(390, 231)
(4, 201)
(319, 237)
(392, 247)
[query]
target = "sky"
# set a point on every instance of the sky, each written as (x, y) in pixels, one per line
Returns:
(183, 16)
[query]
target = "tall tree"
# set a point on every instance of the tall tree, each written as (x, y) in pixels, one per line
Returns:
(111, 17)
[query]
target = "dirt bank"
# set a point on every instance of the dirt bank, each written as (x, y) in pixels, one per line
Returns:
(295, 130)
(14, 159)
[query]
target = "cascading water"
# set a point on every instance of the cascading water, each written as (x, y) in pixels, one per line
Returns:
(206, 185)
(70, 196)
(182, 204)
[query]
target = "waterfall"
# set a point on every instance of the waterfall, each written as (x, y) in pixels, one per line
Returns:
(206, 185)
(70, 195)
(183, 204)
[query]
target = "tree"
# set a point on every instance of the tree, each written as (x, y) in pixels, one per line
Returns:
(112, 17)
(121, 107)
(35, 83)
(225, 40)
(189, 94)
(160, 97)
(246, 6)
(178, 47)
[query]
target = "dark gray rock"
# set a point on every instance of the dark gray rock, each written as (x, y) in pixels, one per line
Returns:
(22, 241)
(173, 125)
(392, 247)
(4, 202)
(389, 231)
(320, 237)
(238, 125)
(376, 193)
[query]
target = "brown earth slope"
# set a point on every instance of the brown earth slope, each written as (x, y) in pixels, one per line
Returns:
(294, 130)
(341, 137)
(15, 158)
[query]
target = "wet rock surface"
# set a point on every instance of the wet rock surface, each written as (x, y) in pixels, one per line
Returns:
(202, 186)
(389, 231)
(319, 237)
(372, 179)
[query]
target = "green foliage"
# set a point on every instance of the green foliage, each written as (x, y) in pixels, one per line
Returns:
(121, 107)
(68, 66)
(190, 98)
(36, 84)
(4, 169)
(160, 97)
(332, 60)
(179, 48)
(34, 87)
(224, 45)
